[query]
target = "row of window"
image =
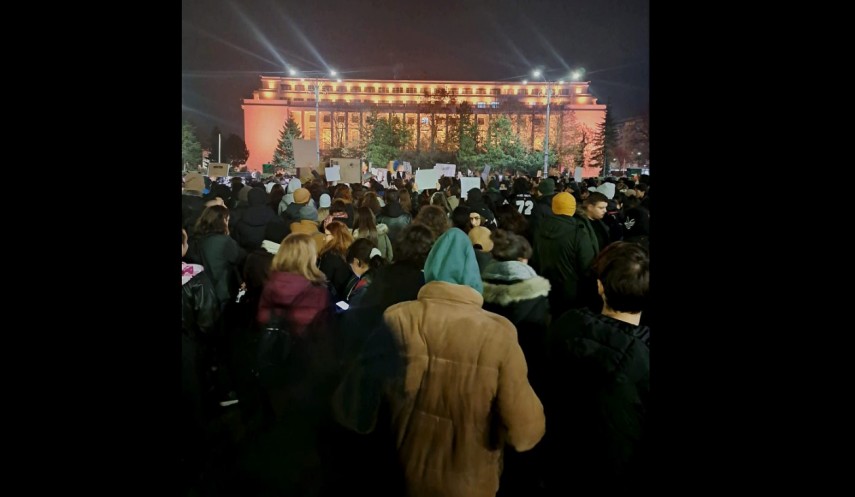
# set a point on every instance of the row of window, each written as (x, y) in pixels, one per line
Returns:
(410, 120)
(383, 89)
(480, 105)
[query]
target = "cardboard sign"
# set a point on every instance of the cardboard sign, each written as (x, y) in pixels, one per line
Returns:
(218, 170)
(333, 173)
(306, 154)
(350, 170)
(467, 184)
(426, 179)
(447, 169)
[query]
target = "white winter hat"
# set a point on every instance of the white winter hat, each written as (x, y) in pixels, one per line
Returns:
(607, 189)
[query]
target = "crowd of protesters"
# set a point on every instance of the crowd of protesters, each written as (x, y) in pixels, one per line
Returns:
(440, 342)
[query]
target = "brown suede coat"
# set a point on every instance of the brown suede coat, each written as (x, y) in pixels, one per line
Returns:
(466, 393)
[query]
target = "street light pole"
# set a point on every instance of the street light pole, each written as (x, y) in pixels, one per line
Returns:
(317, 80)
(549, 87)
(317, 120)
(546, 136)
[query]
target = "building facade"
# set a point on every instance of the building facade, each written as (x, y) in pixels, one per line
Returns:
(428, 108)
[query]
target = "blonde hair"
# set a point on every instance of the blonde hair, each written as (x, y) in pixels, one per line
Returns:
(298, 254)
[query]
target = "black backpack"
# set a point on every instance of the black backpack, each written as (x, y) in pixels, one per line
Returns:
(275, 344)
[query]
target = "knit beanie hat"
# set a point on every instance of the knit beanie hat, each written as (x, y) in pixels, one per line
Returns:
(564, 204)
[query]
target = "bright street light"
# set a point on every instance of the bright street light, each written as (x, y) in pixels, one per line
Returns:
(536, 73)
(332, 72)
(292, 72)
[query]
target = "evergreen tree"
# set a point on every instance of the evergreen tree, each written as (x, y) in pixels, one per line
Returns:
(191, 149)
(504, 148)
(604, 143)
(385, 139)
(466, 131)
(284, 154)
(235, 152)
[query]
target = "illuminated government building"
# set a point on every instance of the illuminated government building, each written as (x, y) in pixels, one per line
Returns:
(344, 107)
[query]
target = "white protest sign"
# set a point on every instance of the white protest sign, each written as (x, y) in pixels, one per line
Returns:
(333, 173)
(467, 184)
(379, 174)
(577, 174)
(407, 167)
(447, 169)
(427, 178)
(485, 174)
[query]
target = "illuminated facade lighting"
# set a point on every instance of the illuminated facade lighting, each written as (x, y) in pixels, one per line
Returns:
(355, 99)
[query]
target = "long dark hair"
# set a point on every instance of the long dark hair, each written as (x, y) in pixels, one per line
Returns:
(371, 201)
(361, 251)
(435, 218)
(414, 246)
(460, 218)
(214, 219)
(365, 223)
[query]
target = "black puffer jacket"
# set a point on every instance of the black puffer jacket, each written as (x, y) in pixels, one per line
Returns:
(599, 383)
(563, 252)
(398, 282)
(249, 228)
(337, 271)
(512, 289)
(200, 314)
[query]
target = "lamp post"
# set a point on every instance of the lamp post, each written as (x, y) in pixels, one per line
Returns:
(317, 79)
(549, 85)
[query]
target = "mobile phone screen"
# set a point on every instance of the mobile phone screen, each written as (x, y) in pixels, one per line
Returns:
(343, 305)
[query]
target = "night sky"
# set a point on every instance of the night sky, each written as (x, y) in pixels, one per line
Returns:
(227, 45)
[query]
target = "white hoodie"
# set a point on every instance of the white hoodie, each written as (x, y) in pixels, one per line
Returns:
(293, 185)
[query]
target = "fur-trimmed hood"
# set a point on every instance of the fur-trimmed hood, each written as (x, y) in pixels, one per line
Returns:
(506, 294)
(382, 229)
